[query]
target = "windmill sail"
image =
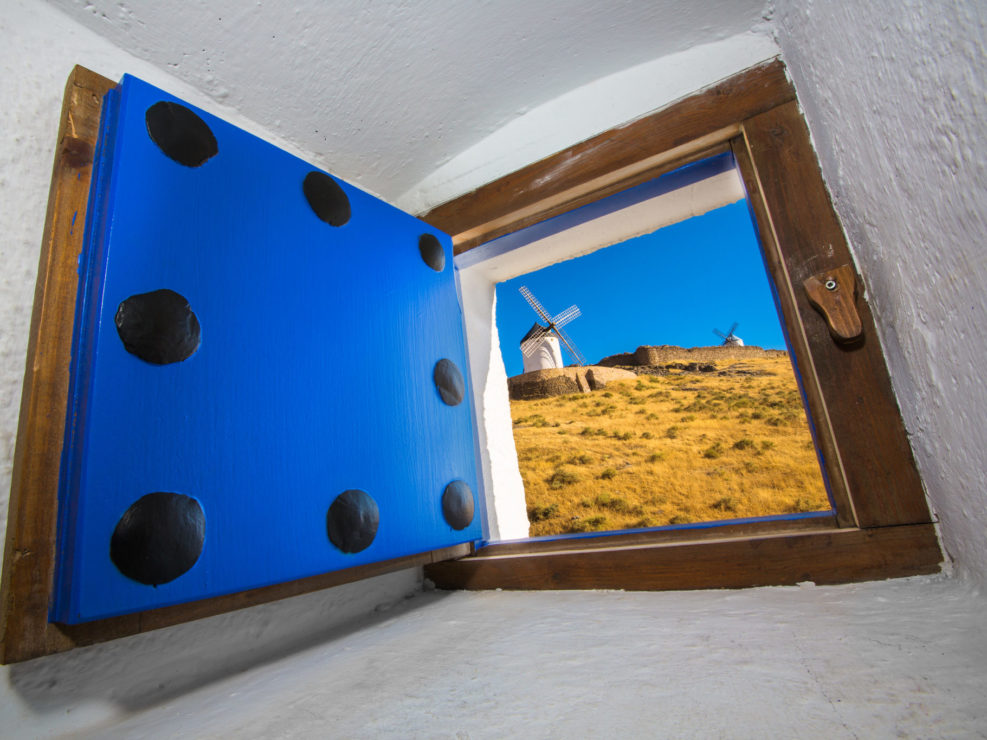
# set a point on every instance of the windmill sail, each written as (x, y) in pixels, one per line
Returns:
(540, 334)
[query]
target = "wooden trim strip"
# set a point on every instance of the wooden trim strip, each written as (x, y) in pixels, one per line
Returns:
(801, 354)
(28, 567)
(619, 158)
(69, 636)
(656, 536)
(858, 403)
(825, 557)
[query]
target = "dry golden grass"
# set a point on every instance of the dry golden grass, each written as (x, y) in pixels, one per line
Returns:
(686, 447)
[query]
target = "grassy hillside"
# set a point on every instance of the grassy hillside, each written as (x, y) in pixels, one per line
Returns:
(683, 447)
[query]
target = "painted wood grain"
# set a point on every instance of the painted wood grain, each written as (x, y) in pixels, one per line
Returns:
(692, 128)
(853, 380)
(29, 552)
(824, 557)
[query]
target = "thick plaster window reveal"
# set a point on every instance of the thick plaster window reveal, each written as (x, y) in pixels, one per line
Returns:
(171, 328)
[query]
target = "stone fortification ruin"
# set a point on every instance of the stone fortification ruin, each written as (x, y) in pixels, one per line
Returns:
(645, 360)
(657, 356)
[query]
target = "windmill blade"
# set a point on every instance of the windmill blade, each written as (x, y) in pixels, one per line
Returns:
(535, 304)
(719, 333)
(564, 338)
(733, 328)
(568, 315)
(531, 343)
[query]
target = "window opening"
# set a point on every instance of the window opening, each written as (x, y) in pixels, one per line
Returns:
(687, 409)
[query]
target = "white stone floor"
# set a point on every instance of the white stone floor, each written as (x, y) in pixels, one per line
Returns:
(905, 658)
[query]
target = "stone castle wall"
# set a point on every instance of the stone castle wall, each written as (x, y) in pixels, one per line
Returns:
(648, 355)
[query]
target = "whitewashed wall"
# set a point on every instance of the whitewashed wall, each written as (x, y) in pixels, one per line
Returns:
(895, 93)
(190, 674)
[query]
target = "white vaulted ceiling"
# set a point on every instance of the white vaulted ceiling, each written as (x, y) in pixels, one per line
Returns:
(386, 92)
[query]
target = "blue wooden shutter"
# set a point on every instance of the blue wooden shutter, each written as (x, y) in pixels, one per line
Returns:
(320, 416)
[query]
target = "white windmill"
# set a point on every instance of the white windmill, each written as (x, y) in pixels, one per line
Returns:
(730, 339)
(540, 346)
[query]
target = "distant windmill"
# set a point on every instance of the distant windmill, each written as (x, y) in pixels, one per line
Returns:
(540, 346)
(730, 339)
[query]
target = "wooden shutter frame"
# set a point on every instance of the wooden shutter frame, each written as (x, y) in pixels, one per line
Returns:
(31, 540)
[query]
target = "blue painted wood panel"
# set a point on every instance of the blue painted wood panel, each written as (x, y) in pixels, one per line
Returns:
(313, 376)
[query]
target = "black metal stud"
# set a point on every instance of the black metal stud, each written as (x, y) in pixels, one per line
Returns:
(180, 133)
(159, 327)
(352, 520)
(432, 252)
(457, 505)
(158, 538)
(449, 382)
(327, 198)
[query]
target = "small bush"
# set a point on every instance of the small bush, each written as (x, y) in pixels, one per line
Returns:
(656, 457)
(802, 505)
(646, 435)
(580, 460)
(614, 503)
(714, 451)
(608, 473)
(688, 417)
(561, 478)
(541, 513)
(623, 435)
(607, 394)
(672, 432)
(743, 444)
(767, 444)
(727, 503)
(590, 524)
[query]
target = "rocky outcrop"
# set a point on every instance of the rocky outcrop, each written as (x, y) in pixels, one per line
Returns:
(562, 381)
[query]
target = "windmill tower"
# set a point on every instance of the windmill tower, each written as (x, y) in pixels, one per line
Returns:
(540, 346)
(730, 339)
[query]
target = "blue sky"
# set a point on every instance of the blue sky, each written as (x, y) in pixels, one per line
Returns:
(673, 286)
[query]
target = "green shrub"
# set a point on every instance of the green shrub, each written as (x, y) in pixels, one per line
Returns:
(561, 478)
(672, 432)
(613, 503)
(608, 473)
(656, 457)
(743, 444)
(541, 513)
(580, 460)
(727, 503)
(714, 451)
(646, 435)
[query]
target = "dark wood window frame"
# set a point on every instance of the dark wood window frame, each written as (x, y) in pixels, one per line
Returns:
(881, 528)
(881, 525)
